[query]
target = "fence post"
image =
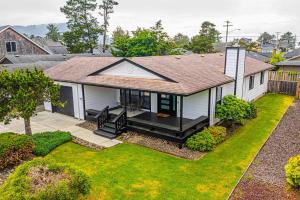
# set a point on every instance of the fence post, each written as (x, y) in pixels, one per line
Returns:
(298, 87)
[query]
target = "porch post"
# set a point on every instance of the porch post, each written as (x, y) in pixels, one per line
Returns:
(209, 106)
(150, 102)
(125, 100)
(181, 112)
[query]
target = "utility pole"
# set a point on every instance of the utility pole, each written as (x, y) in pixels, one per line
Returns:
(277, 40)
(227, 25)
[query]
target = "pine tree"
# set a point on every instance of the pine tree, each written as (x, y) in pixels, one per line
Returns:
(53, 32)
(83, 26)
(106, 8)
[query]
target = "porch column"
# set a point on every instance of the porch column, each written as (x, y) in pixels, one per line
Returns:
(181, 112)
(125, 100)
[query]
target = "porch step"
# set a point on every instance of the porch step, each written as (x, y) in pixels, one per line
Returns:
(110, 125)
(105, 134)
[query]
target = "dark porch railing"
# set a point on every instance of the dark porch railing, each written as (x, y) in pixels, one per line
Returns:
(102, 117)
(120, 121)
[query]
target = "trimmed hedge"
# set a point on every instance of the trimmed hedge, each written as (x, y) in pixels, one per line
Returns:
(46, 142)
(219, 133)
(202, 141)
(14, 148)
(45, 179)
(292, 171)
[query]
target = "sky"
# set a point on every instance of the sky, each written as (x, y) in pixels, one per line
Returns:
(250, 16)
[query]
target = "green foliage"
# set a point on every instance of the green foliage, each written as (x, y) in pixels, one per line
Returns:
(265, 38)
(53, 32)
(251, 111)
(22, 91)
(46, 142)
(232, 110)
(181, 41)
(71, 184)
(289, 40)
(219, 133)
(292, 171)
(202, 141)
(203, 42)
(83, 26)
(144, 42)
(276, 57)
(14, 148)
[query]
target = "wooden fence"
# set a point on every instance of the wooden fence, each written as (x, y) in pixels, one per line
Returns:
(283, 83)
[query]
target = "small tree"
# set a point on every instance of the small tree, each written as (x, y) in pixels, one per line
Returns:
(232, 110)
(276, 57)
(22, 91)
(53, 32)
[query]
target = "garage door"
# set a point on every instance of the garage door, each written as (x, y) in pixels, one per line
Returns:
(66, 96)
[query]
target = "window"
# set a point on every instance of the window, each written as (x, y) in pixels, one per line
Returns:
(11, 47)
(262, 78)
(146, 100)
(219, 94)
(251, 82)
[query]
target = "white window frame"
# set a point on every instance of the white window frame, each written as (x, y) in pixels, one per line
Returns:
(251, 82)
(10, 43)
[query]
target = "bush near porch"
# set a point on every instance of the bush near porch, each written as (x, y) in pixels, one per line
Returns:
(47, 141)
(14, 148)
(44, 179)
(129, 171)
(292, 171)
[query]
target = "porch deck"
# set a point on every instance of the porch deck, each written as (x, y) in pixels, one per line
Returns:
(166, 127)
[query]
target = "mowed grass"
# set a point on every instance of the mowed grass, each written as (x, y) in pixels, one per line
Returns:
(132, 172)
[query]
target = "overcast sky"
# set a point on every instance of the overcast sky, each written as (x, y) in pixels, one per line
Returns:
(251, 16)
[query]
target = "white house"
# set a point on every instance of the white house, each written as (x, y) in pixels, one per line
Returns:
(171, 97)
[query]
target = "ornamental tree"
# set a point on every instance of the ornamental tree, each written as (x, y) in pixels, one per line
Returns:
(22, 91)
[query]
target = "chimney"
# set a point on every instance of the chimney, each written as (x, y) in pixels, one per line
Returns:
(235, 67)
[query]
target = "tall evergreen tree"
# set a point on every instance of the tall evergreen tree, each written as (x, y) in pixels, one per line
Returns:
(83, 26)
(106, 8)
(53, 32)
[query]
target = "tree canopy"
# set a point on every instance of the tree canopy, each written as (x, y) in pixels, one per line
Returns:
(181, 40)
(83, 26)
(143, 42)
(265, 38)
(53, 32)
(22, 91)
(203, 42)
(276, 57)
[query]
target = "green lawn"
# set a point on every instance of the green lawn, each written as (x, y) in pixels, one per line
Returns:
(132, 172)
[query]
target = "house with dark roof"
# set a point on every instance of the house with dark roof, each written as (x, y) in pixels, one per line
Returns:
(15, 43)
(51, 46)
(170, 97)
(290, 65)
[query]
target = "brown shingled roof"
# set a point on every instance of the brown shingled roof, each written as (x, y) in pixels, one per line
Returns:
(190, 73)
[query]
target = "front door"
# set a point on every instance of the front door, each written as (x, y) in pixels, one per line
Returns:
(167, 104)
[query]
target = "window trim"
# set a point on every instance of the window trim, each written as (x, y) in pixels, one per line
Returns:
(262, 77)
(10, 43)
(218, 101)
(251, 82)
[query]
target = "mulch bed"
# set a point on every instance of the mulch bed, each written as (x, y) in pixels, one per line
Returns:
(91, 126)
(86, 144)
(265, 179)
(161, 145)
(5, 173)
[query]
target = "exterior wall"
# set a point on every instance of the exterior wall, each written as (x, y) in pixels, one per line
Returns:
(127, 69)
(194, 106)
(258, 90)
(290, 68)
(24, 46)
(77, 99)
(154, 102)
(99, 97)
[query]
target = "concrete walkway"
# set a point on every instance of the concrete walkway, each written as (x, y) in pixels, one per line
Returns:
(46, 121)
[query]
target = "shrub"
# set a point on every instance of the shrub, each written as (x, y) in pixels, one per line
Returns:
(218, 132)
(45, 179)
(46, 142)
(251, 111)
(292, 171)
(202, 141)
(232, 110)
(14, 148)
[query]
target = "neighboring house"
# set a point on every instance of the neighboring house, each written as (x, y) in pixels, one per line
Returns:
(292, 54)
(13, 42)
(290, 65)
(51, 46)
(170, 97)
(258, 56)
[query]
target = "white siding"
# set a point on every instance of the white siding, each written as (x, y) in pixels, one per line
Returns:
(231, 60)
(77, 99)
(98, 97)
(241, 72)
(258, 90)
(129, 70)
(194, 106)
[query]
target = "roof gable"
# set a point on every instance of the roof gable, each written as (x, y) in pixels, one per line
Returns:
(25, 37)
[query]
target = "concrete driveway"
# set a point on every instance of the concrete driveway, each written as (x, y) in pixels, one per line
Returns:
(47, 121)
